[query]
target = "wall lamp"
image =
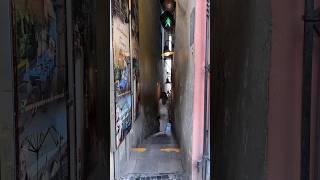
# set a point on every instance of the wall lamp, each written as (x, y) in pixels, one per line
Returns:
(166, 52)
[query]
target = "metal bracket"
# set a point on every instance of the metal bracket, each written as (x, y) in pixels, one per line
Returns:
(208, 8)
(199, 165)
(206, 157)
(209, 68)
(314, 18)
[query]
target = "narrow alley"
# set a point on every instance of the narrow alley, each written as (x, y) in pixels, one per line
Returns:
(159, 90)
(93, 82)
(164, 92)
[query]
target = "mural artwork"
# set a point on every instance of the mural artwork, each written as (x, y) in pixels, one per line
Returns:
(40, 66)
(122, 68)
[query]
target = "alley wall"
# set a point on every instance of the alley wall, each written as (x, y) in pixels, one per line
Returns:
(150, 61)
(183, 86)
(146, 122)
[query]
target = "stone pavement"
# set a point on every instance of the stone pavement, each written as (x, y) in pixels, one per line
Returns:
(158, 157)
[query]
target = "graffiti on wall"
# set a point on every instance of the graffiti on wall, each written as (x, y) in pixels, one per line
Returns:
(122, 68)
(40, 85)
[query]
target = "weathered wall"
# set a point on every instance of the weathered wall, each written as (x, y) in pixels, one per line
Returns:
(150, 51)
(285, 92)
(242, 32)
(7, 141)
(200, 39)
(183, 86)
(133, 139)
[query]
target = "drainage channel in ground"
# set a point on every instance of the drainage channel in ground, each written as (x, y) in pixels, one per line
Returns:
(153, 177)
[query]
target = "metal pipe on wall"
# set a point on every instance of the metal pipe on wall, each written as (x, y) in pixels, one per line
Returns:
(206, 112)
(306, 90)
(317, 164)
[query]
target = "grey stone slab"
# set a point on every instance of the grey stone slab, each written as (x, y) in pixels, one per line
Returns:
(129, 167)
(170, 166)
(174, 155)
(146, 167)
(137, 156)
(162, 139)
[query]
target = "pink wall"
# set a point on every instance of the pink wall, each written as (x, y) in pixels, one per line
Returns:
(198, 110)
(285, 90)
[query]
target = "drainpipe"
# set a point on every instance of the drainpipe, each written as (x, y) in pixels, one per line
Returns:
(206, 155)
(310, 18)
(317, 169)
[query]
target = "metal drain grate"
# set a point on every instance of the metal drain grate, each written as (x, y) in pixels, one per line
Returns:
(154, 177)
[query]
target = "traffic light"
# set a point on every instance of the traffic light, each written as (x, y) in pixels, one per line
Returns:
(167, 17)
(168, 5)
(167, 21)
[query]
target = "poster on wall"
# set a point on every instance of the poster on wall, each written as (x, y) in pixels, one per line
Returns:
(123, 117)
(122, 68)
(40, 67)
(135, 56)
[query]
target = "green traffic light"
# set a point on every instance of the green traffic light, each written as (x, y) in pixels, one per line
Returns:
(168, 23)
(167, 20)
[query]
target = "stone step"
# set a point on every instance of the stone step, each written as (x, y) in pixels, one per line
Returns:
(155, 155)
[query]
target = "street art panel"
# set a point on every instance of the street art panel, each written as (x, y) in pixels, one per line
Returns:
(122, 68)
(123, 117)
(135, 56)
(43, 148)
(40, 71)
